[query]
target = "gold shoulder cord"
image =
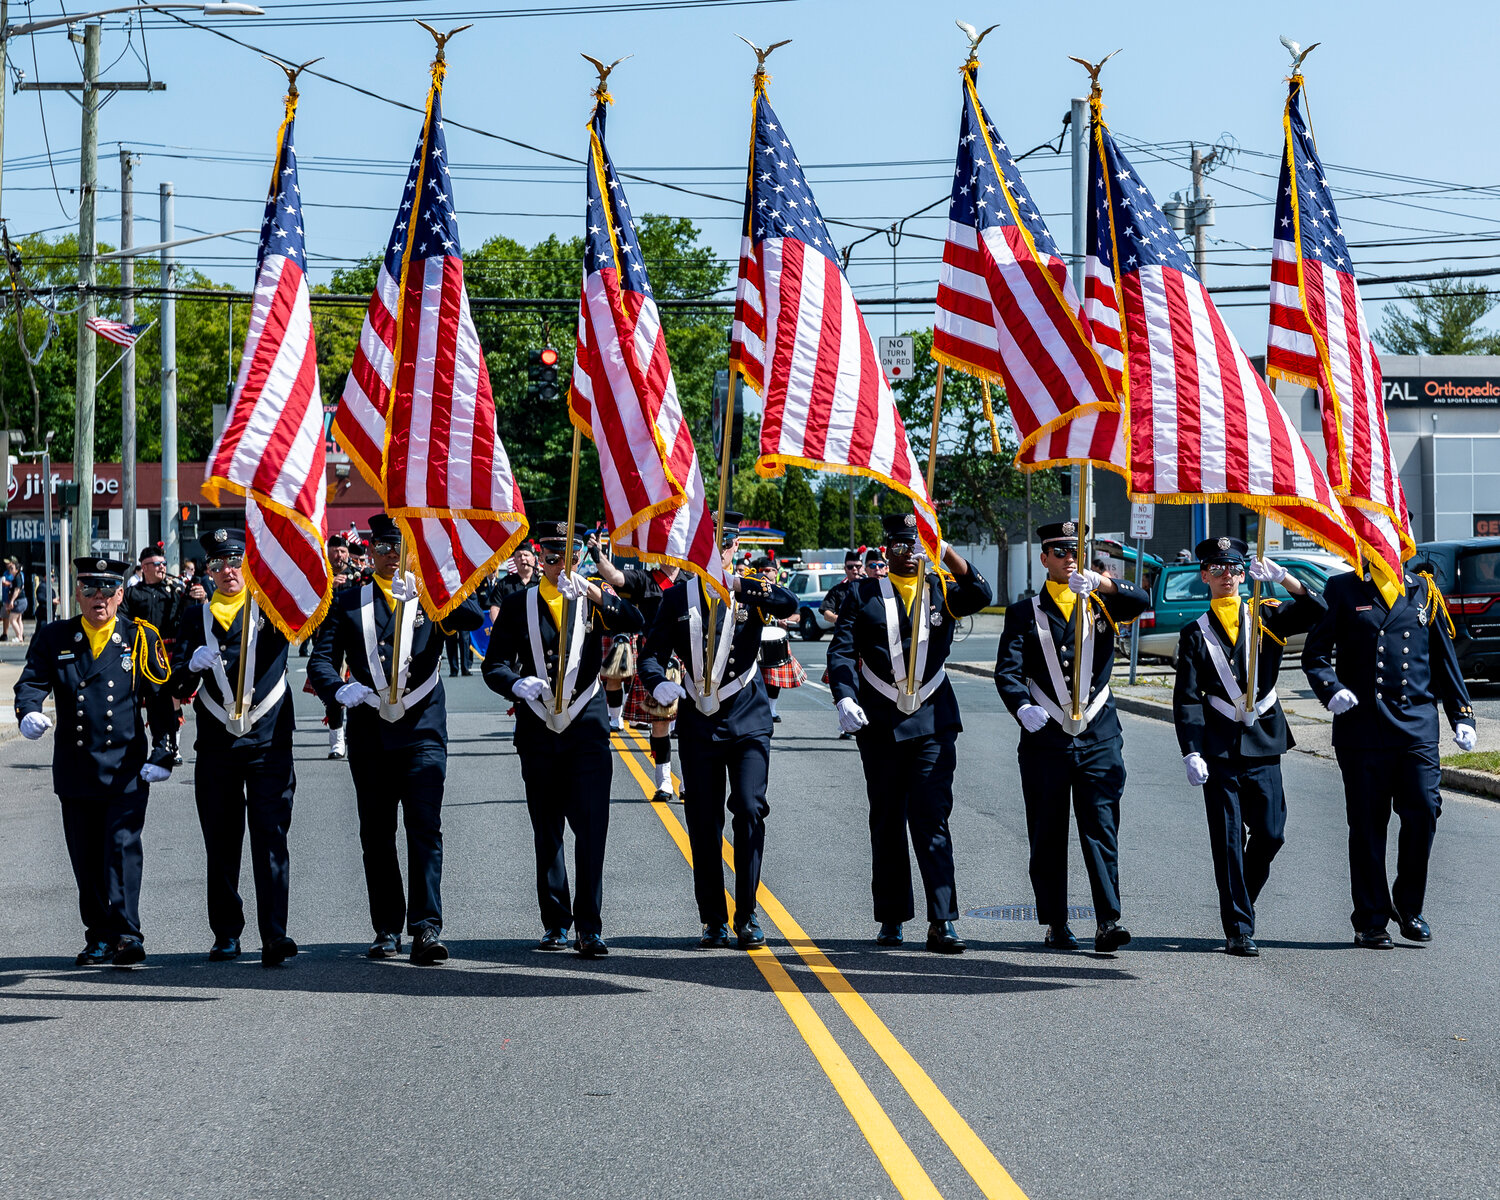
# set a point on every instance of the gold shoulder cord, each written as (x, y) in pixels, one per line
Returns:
(142, 653)
(1113, 624)
(1439, 605)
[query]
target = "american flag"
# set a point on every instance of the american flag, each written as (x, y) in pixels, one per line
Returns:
(1006, 310)
(271, 450)
(800, 340)
(116, 331)
(1319, 339)
(417, 416)
(1199, 423)
(623, 395)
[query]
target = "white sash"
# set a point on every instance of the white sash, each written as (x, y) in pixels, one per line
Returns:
(381, 698)
(708, 704)
(1235, 708)
(238, 726)
(920, 621)
(544, 704)
(1060, 689)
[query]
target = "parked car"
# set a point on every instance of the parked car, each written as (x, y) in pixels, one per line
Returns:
(1468, 574)
(1181, 596)
(810, 586)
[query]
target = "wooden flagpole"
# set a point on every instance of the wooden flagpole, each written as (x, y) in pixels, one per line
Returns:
(917, 603)
(394, 695)
(247, 618)
(1253, 658)
(1085, 478)
(559, 701)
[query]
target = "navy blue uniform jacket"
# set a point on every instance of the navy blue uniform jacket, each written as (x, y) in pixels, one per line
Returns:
(270, 666)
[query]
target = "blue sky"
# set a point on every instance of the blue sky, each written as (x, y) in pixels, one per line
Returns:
(868, 92)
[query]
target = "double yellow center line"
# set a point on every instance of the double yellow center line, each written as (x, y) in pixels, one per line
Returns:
(909, 1176)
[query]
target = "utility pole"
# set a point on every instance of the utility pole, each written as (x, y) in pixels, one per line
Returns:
(4, 85)
(127, 367)
(1202, 218)
(83, 427)
(169, 383)
(1078, 124)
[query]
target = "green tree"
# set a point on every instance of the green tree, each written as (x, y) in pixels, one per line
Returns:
(799, 512)
(1444, 319)
(833, 511)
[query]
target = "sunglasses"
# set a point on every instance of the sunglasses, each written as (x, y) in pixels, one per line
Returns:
(1061, 551)
(383, 547)
(551, 560)
(870, 566)
(98, 587)
(231, 563)
(1219, 570)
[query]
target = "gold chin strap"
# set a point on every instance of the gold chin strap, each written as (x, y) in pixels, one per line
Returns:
(141, 654)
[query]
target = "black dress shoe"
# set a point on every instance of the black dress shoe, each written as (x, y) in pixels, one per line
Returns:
(95, 954)
(890, 934)
(224, 949)
(277, 952)
(1060, 937)
(1241, 945)
(385, 945)
(1109, 937)
(591, 945)
(714, 936)
(776, 720)
(942, 938)
(1416, 929)
(1373, 939)
(128, 952)
(553, 939)
(749, 934)
(662, 797)
(427, 949)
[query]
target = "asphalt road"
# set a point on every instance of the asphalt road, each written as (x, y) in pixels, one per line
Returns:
(822, 1066)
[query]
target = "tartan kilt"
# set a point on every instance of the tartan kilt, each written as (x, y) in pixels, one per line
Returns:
(636, 700)
(785, 675)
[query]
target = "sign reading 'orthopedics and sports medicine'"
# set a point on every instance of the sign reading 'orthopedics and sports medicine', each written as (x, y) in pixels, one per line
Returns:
(1442, 389)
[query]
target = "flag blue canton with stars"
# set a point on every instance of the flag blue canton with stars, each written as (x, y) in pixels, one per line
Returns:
(281, 227)
(429, 218)
(611, 211)
(1322, 233)
(977, 200)
(1143, 236)
(780, 204)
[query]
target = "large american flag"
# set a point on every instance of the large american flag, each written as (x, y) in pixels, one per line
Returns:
(1198, 422)
(1006, 310)
(1319, 339)
(623, 395)
(417, 416)
(800, 340)
(271, 450)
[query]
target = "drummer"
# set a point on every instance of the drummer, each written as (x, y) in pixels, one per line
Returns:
(778, 666)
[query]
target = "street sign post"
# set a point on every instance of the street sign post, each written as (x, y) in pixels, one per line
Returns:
(1142, 521)
(1142, 527)
(898, 358)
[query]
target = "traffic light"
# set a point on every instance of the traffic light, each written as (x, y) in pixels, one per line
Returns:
(541, 370)
(187, 522)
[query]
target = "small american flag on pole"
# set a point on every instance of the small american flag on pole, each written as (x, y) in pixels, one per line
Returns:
(623, 395)
(271, 450)
(417, 416)
(116, 331)
(800, 339)
(1319, 338)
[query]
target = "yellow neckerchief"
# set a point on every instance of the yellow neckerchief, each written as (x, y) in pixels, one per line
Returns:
(385, 589)
(906, 588)
(226, 608)
(1064, 597)
(98, 636)
(553, 599)
(1227, 610)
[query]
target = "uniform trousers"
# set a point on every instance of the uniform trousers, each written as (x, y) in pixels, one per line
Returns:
(409, 778)
(1246, 828)
(104, 844)
(1093, 775)
(235, 787)
(910, 785)
(567, 782)
(1375, 782)
(706, 764)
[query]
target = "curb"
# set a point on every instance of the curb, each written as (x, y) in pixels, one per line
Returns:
(1476, 783)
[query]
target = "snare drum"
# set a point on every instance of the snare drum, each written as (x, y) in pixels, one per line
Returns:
(775, 646)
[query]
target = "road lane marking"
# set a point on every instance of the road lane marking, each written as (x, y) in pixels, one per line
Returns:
(976, 1158)
(878, 1128)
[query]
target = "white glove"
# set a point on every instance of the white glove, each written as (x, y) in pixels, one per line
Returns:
(1464, 737)
(1267, 570)
(573, 586)
(1197, 769)
(33, 725)
(203, 658)
(666, 692)
(1342, 701)
(1032, 717)
(404, 587)
(851, 717)
(151, 773)
(1081, 583)
(353, 693)
(529, 688)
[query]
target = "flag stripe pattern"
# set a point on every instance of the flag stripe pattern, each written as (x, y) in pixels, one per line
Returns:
(116, 331)
(1006, 310)
(1319, 338)
(800, 339)
(623, 395)
(272, 449)
(417, 416)
(1200, 423)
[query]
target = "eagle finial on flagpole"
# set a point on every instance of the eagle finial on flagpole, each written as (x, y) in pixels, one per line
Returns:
(1298, 53)
(441, 38)
(1093, 69)
(291, 73)
(975, 37)
(762, 55)
(601, 92)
